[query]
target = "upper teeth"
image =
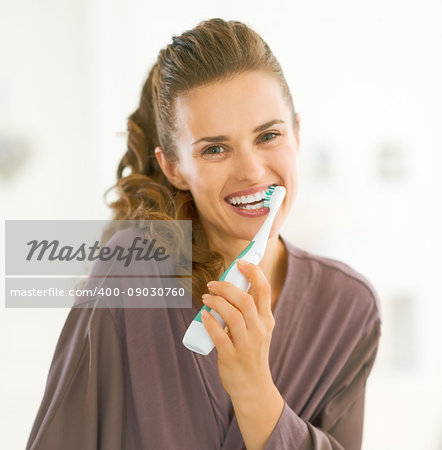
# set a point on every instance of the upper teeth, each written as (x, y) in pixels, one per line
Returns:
(247, 199)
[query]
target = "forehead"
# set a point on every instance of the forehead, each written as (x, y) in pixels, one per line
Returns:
(242, 102)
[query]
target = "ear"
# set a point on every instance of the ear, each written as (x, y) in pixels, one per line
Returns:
(170, 170)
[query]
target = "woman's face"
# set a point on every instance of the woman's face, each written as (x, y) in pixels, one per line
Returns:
(221, 151)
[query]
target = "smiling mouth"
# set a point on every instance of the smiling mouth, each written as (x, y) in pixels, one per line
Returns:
(251, 201)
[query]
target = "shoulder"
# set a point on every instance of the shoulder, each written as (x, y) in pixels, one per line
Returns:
(334, 285)
(89, 319)
(127, 260)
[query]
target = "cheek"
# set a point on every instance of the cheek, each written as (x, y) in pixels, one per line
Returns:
(285, 165)
(284, 162)
(194, 175)
(204, 185)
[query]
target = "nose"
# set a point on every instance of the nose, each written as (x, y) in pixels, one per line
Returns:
(248, 166)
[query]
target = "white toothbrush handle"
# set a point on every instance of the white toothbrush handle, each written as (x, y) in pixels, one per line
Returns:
(197, 338)
(239, 280)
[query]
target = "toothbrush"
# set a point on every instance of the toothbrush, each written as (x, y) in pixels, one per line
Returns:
(196, 337)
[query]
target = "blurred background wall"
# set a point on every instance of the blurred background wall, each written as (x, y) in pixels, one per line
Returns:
(365, 77)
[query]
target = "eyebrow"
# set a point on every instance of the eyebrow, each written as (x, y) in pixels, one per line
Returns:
(226, 138)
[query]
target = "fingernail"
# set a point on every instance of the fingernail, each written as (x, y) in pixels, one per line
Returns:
(206, 296)
(211, 284)
(204, 313)
(242, 262)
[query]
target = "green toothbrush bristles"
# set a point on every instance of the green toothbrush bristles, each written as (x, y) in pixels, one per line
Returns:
(269, 193)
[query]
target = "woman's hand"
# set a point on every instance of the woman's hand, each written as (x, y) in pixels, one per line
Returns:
(243, 352)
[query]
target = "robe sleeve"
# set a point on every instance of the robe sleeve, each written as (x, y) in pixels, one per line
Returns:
(339, 423)
(83, 402)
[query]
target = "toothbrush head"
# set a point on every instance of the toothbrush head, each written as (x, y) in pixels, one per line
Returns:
(274, 196)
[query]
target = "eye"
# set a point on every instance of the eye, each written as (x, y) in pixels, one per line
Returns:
(209, 150)
(268, 134)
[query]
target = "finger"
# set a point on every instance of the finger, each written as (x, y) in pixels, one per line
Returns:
(219, 337)
(231, 316)
(241, 300)
(260, 284)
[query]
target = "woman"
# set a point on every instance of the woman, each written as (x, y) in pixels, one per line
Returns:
(216, 122)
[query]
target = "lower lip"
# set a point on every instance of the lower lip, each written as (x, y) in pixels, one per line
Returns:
(250, 212)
